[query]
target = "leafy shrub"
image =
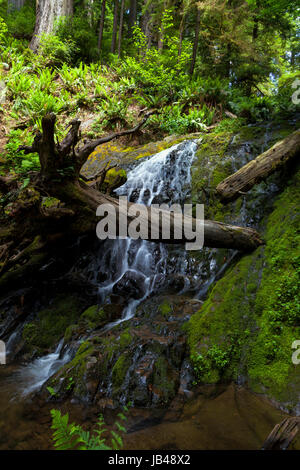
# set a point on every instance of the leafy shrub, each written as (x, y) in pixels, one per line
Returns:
(252, 108)
(79, 32)
(56, 51)
(20, 162)
(173, 120)
(3, 29)
(283, 97)
(21, 22)
(153, 70)
(38, 104)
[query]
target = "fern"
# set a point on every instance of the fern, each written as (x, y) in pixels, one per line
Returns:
(72, 437)
(66, 436)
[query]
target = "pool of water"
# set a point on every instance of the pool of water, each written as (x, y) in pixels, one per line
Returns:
(215, 418)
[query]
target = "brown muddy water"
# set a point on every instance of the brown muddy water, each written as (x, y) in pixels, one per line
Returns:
(228, 418)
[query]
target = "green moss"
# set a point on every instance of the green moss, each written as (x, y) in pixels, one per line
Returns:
(163, 383)
(119, 371)
(125, 339)
(114, 178)
(71, 377)
(51, 323)
(93, 316)
(251, 317)
(165, 308)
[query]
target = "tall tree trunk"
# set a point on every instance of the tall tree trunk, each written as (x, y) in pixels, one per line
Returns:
(146, 20)
(121, 27)
(47, 12)
(132, 16)
(181, 33)
(101, 27)
(115, 27)
(15, 5)
(196, 41)
(89, 5)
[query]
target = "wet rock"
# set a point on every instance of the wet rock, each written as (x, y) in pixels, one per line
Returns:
(130, 285)
(139, 360)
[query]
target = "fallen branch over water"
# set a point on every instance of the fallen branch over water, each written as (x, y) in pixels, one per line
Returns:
(260, 168)
(59, 178)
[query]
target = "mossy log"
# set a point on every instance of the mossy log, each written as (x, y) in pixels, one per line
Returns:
(260, 168)
(59, 158)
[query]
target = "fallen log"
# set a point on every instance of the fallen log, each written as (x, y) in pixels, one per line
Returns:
(282, 434)
(60, 178)
(260, 168)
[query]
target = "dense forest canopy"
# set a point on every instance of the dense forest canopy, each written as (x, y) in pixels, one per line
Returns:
(243, 55)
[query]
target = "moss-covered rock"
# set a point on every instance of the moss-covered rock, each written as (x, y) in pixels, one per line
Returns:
(113, 155)
(138, 360)
(50, 324)
(245, 329)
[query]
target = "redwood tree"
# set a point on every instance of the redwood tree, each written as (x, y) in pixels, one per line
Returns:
(46, 14)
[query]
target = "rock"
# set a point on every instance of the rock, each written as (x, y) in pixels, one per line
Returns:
(139, 360)
(115, 177)
(131, 285)
(113, 155)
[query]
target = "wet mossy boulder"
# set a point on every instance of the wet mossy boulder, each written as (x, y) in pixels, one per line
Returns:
(112, 155)
(114, 178)
(49, 325)
(223, 152)
(245, 329)
(138, 360)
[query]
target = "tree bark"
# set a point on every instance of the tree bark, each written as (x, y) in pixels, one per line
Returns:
(260, 168)
(83, 200)
(15, 5)
(196, 41)
(132, 17)
(146, 19)
(47, 12)
(101, 27)
(115, 27)
(121, 28)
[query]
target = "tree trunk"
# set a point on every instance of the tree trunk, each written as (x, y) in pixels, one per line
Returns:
(89, 7)
(132, 17)
(47, 12)
(196, 41)
(181, 32)
(260, 168)
(15, 5)
(101, 28)
(115, 27)
(121, 27)
(146, 20)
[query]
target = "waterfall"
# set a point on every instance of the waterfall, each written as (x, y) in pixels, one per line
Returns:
(136, 268)
(35, 374)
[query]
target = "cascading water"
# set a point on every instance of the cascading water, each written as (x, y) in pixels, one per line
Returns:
(132, 268)
(34, 375)
(137, 267)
